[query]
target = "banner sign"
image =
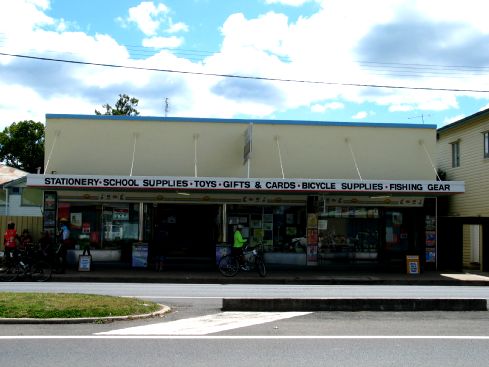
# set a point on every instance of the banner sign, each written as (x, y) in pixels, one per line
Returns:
(291, 185)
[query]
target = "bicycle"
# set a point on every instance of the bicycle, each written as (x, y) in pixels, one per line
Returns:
(229, 265)
(26, 264)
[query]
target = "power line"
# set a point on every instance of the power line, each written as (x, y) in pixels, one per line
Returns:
(244, 76)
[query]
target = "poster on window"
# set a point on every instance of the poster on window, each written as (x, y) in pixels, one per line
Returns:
(312, 255)
(49, 218)
(312, 236)
(312, 220)
(76, 220)
(120, 214)
(49, 201)
(86, 228)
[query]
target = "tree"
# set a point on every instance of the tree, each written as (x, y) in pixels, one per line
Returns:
(22, 145)
(124, 106)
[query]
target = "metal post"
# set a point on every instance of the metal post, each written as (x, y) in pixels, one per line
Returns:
(141, 221)
(436, 233)
(224, 223)
(134, 152)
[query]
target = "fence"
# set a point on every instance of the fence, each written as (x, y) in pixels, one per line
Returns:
(33, 224)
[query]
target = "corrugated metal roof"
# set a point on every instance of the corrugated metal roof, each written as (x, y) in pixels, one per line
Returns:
(464, 120)
(8, 174)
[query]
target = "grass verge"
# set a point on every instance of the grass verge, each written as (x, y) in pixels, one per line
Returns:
(66, 305)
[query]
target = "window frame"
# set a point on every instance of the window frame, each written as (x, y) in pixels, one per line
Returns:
(485, 144)
(455, 147)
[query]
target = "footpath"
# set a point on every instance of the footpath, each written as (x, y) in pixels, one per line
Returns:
(304, 276)
(274, 276)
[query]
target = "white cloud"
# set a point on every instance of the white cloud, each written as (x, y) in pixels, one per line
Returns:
(148, 17)
(484, 107)
(327, 106)
(360, 115)
(163, 42)
(321, 47)
(177, 27)
(449, 120)
(288, 2)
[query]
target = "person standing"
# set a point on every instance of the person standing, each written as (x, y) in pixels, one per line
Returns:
(25, 239)
(64, 241)
(10, 242)
(238, 244)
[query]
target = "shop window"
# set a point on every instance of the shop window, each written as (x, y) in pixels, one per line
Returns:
(101, 226)
(120, 224)
(396, 236)
(348, 233)
(273, 228)
(486, 144)
(456, 154)
(31, 197)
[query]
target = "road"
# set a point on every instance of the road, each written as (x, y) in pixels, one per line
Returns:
(197, 333)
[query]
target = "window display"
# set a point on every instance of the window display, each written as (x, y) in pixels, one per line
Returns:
(274, 228)
(103, 226)
(348, 233)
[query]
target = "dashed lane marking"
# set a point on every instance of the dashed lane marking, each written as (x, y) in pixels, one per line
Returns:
(208, 324)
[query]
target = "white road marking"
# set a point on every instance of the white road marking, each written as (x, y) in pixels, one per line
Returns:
(250, 337)
(206, 324)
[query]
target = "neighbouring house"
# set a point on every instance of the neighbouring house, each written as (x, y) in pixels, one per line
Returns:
(463, 154)
(19, 203)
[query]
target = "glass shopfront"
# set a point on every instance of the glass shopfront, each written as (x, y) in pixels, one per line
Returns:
(343, 235)
(348, 233)
(278, 228)
(102, 226)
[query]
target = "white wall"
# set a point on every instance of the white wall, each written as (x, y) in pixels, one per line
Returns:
(101, 145)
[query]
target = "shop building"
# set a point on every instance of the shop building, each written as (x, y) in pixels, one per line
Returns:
(336, 195)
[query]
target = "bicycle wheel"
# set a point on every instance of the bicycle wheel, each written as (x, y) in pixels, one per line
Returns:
(11, 273)
(228, 266)
(41, 271)
(260, 266)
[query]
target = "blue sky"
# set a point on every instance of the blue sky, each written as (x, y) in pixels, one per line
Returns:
(396, 61)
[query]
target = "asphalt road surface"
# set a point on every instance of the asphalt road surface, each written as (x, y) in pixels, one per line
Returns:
(198, 333)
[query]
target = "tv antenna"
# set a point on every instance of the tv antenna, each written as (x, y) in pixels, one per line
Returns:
(417, 117)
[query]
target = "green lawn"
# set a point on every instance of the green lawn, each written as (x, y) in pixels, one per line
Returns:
(65, 305)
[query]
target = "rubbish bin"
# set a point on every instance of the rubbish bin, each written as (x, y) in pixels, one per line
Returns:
(412, 264)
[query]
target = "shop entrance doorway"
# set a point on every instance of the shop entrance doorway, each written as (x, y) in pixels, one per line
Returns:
(186, 232)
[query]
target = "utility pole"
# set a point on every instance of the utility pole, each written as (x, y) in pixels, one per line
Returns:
(167, 106)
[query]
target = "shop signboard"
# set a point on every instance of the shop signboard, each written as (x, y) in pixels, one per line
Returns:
(84, 262)
(376, 188)
(412, 264)
(140, 255)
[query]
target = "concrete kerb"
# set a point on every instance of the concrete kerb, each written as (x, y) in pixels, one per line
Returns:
(83, 320)
(353, 304)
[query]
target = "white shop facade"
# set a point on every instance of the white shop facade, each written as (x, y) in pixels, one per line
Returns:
(188, 182)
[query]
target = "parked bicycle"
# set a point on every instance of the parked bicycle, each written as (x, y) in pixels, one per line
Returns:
(229, 265)
(28, 264)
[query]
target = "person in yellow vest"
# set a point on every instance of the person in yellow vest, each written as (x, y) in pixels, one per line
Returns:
(238, 244)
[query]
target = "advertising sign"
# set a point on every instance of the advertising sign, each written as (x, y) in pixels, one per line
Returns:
(140, 255)
(230, 184)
